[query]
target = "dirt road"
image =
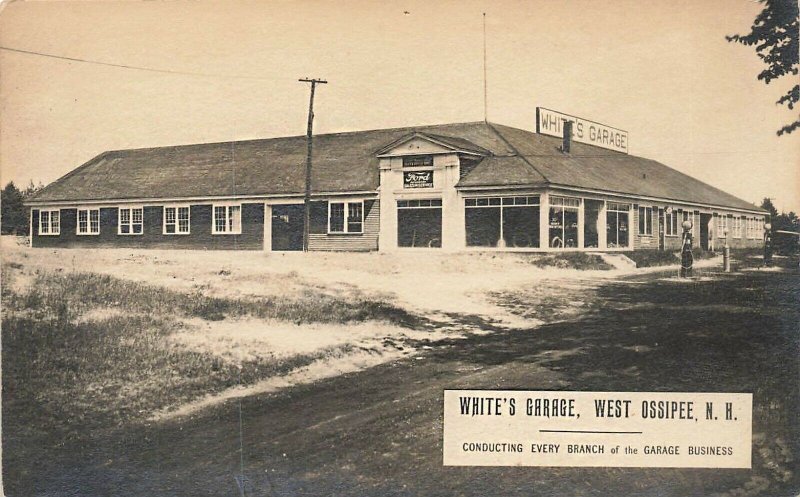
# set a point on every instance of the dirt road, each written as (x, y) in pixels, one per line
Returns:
(378, 432)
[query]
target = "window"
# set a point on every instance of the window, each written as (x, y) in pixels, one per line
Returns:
(50, 222)
(737, 227)
(176, 220)
(418, 161)
(88, 221)
(515, 220)
(646, 221)
(419, 223)
(412, 204)
(671, 223)
(617, 225)
(563, 222)
(346, 217)
(227, 219)
(130, 220)
(722, 226)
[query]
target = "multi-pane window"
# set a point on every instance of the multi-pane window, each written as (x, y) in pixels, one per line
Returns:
(737, 227)
(50, 222)
(671, 223)
(88, 221)
(422, 204)
(514, 220)
(722, 226)
(419, 223)
(617, 225)
(131, 220)
(645, 220)
(346, 217)
(563, 222)
(176, 220)
(227, 219)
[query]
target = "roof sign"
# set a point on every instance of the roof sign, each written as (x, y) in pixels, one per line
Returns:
(550, 122)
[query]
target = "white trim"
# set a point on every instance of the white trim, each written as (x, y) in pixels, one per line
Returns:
(157, 201)
(229, 230)
(176, 207)
(346, 214)
(50, 231)
(129, 208)
(88, 211)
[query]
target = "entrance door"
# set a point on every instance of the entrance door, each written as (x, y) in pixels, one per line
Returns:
(287, 227)
(705, 220)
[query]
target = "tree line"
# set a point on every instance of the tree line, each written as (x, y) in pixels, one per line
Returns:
(14, 219)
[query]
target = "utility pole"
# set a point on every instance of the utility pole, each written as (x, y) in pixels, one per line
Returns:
(307, 198)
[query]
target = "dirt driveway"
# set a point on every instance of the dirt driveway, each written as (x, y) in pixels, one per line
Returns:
(378, 432)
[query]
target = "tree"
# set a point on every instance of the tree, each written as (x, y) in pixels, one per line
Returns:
(14, 219)
(785, 221)
(768, 206)
(32, 189)
(775, 36)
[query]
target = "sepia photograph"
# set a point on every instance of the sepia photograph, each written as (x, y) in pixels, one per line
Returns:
(406, 248)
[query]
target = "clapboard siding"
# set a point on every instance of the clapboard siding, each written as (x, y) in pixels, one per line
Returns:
(200, 236)
(366, 241)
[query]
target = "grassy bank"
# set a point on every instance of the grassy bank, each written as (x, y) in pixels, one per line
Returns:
(571, 260)
(654, 258)
(83, 351)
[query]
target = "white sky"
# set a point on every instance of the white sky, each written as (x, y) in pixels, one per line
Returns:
(660, 69)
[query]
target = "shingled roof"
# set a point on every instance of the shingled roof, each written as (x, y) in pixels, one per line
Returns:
(347, 162)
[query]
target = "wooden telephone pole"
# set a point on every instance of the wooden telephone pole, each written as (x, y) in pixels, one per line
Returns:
(307, 198)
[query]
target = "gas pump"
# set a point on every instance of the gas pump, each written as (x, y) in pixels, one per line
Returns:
(767, 245)
(687, 258)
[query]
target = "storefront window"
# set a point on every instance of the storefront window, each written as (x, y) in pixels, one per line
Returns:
(617, 217)
(515, 219)
(419, 223)
(563, 221)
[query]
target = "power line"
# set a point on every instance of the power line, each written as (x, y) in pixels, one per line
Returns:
(134, 67)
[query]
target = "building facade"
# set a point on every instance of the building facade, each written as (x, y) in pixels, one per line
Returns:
(455, 187)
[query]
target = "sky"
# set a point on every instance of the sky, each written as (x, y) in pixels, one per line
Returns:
(661, 70)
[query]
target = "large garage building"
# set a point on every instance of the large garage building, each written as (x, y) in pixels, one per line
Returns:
(451, 187)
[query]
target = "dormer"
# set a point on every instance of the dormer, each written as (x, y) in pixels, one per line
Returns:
(425, 150)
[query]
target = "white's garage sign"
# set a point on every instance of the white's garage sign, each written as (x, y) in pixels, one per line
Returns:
(550, 122)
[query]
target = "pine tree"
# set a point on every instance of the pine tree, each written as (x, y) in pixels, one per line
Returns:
(14, 219)
(775, 36)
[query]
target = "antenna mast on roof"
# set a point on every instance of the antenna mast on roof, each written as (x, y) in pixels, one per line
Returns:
(485, 98)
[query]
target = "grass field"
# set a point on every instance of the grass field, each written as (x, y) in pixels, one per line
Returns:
(93, 348)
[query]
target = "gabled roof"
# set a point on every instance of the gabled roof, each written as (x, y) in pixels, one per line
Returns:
(452, 143)
(348, 162)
